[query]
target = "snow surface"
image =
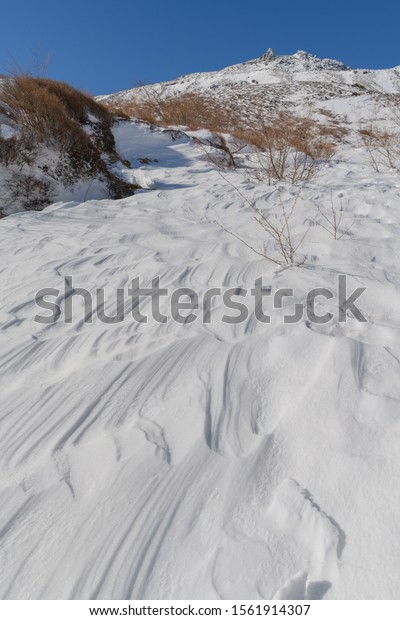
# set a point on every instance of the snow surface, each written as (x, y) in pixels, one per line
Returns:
(201, 460)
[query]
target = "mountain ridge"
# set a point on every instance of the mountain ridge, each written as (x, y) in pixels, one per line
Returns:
(301, 82)
(278, 80)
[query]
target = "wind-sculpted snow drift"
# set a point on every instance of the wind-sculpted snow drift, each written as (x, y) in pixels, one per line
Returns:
(198, 460)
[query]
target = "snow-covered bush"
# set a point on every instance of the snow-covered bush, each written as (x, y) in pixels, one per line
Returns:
(32, 192)
(57, 135)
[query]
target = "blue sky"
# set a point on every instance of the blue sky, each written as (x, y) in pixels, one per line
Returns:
(103, 47)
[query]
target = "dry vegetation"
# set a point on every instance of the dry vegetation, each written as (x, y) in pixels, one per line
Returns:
(53, 115)
(331, 220)
(381, 137)
(279, 146)
(285, 146)
(192, 110)
(289, 147)
(278, 230)
(383, 147)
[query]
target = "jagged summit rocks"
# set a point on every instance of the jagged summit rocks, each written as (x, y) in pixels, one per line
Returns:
(268, 56)
(302, 60)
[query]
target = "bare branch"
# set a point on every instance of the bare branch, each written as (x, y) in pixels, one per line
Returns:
(280, 232)
(333, 221)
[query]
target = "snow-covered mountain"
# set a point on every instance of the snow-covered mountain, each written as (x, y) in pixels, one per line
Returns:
(207, 459)
(297, 80)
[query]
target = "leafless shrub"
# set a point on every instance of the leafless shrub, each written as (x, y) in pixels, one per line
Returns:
(392, 105)
(31, 192)
(221, 145)
(220, 150)
(279, 229)
(331, 221)
(383, 147)
(289, 148)
(8, 150)
(36, 67)
(19, 150)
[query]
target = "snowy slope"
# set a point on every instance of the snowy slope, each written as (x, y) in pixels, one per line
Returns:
(200, 461)
(217, 460)
(298, 80)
